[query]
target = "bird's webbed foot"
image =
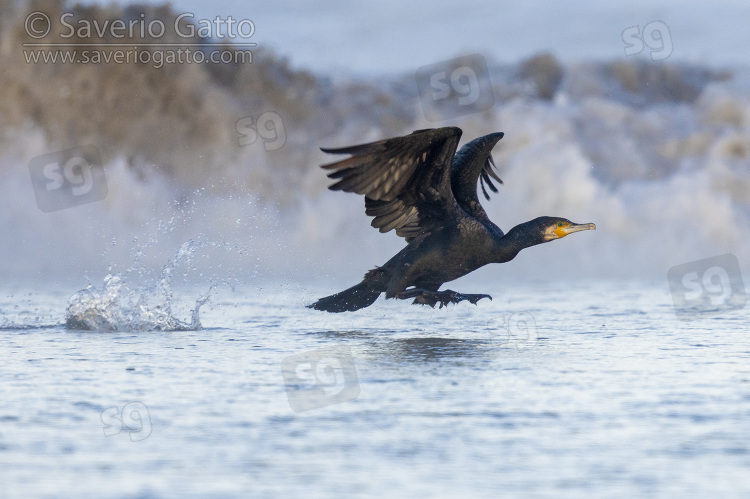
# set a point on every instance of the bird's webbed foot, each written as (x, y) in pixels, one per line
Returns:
(432, 298)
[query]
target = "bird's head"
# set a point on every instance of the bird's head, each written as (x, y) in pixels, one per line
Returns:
(538, 231)
(556, 228)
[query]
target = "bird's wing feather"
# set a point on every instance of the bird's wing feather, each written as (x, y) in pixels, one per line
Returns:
(473, 163)
(488, 173)
(405, 180)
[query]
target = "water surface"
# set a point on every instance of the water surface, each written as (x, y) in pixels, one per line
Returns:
(610, 396)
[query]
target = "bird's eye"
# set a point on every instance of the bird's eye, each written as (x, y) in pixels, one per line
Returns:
(559, 224)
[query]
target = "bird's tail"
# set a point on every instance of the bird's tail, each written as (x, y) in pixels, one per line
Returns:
(362, 295)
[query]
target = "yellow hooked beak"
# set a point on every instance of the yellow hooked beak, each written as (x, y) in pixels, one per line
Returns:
(571, 228)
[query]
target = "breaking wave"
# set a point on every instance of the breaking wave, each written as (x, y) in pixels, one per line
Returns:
(656, 154)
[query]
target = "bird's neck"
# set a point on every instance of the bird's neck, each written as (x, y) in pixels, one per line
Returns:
(519, 237)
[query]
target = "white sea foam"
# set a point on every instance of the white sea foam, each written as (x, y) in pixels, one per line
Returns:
(657, 155)
(648, 219)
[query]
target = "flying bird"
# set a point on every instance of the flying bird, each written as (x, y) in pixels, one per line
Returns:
(419, 186)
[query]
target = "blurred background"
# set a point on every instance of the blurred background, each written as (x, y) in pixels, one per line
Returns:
(633, 115)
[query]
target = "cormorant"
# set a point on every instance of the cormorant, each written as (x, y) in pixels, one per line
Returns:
(418, 185)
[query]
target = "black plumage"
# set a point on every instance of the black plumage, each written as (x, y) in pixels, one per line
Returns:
(419, 186)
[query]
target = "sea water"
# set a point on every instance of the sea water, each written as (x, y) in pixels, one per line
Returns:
(552, 389)
(154, 337)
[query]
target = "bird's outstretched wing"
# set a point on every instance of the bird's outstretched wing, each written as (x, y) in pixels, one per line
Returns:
(405, 180)
(473, 165)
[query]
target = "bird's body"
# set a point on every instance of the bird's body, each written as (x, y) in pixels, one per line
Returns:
(423, 265)
(419, 186)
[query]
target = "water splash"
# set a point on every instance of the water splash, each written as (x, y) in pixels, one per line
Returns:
(118, 307)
